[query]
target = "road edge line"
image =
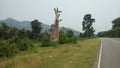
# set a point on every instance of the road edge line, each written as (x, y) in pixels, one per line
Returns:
(100, 53)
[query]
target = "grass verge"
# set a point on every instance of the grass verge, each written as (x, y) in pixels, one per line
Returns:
(80, 55)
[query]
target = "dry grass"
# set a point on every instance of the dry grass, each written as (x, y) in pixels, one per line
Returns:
(79, 55)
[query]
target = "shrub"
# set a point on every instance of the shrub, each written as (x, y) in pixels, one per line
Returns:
(115, 32)
(15, 39)
(67, 36)
(73, 40)
(7, 49)
(10, 47)
(64, 40)
(46, 42)
(22, 44)
(25, 44)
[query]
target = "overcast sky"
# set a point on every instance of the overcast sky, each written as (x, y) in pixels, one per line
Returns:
(104, 11)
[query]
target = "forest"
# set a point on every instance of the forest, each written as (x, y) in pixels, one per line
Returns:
(114, 32)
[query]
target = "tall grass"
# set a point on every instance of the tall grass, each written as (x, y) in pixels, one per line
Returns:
(79, 55)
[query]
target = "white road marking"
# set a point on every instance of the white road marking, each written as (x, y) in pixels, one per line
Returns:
(99, 59)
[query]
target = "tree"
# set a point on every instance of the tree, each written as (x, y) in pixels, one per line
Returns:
(4, 30)
(114, 32)
(28, 33)
(67, 36)
(7, 49)
(70, 33)
(116, 22)
(36, 28)
(87, 25)
(81, 34)
(22, 33)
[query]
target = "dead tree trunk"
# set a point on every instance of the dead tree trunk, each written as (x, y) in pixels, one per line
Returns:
(54, 31)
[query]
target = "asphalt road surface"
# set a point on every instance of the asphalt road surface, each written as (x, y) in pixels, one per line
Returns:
(109, 56)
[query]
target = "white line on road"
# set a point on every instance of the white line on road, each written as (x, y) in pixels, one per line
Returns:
(99, 59)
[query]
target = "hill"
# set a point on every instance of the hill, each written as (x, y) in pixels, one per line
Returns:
(23, 24)
(26, 25)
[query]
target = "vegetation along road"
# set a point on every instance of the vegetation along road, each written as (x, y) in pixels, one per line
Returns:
(73, 55)
(109, 53)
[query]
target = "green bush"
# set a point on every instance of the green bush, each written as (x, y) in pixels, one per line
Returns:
(62, 40)
(73, 39)
(65, 39)
(7, 49)
(46, 42)
(25, 44)
(67, 36)
(15, 39)
(115, 32)
(22, 44)
(10, 47)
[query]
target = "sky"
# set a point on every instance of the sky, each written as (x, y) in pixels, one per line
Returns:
(73, 11)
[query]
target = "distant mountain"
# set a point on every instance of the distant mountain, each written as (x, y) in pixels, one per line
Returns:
(27, 25)
(23, 24)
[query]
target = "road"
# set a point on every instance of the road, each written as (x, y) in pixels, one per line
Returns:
(109, 53)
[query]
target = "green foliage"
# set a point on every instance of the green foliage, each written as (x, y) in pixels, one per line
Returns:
(102, 34)
(22, 33)
(63, 36)
(4, 31)
(14, 39)
(36, 29)
(7, 49)
(115, 32)
(22, 44)
(70, 33)
(67, 37)
(7, 32)
(46, 42)
(82, 34)
(87, 25)
(15, 44)
(72, 40)
(116, 22)
(4, 26)
(63, 40)
(25, 44)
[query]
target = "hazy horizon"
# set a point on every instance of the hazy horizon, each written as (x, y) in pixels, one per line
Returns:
(104, 11)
